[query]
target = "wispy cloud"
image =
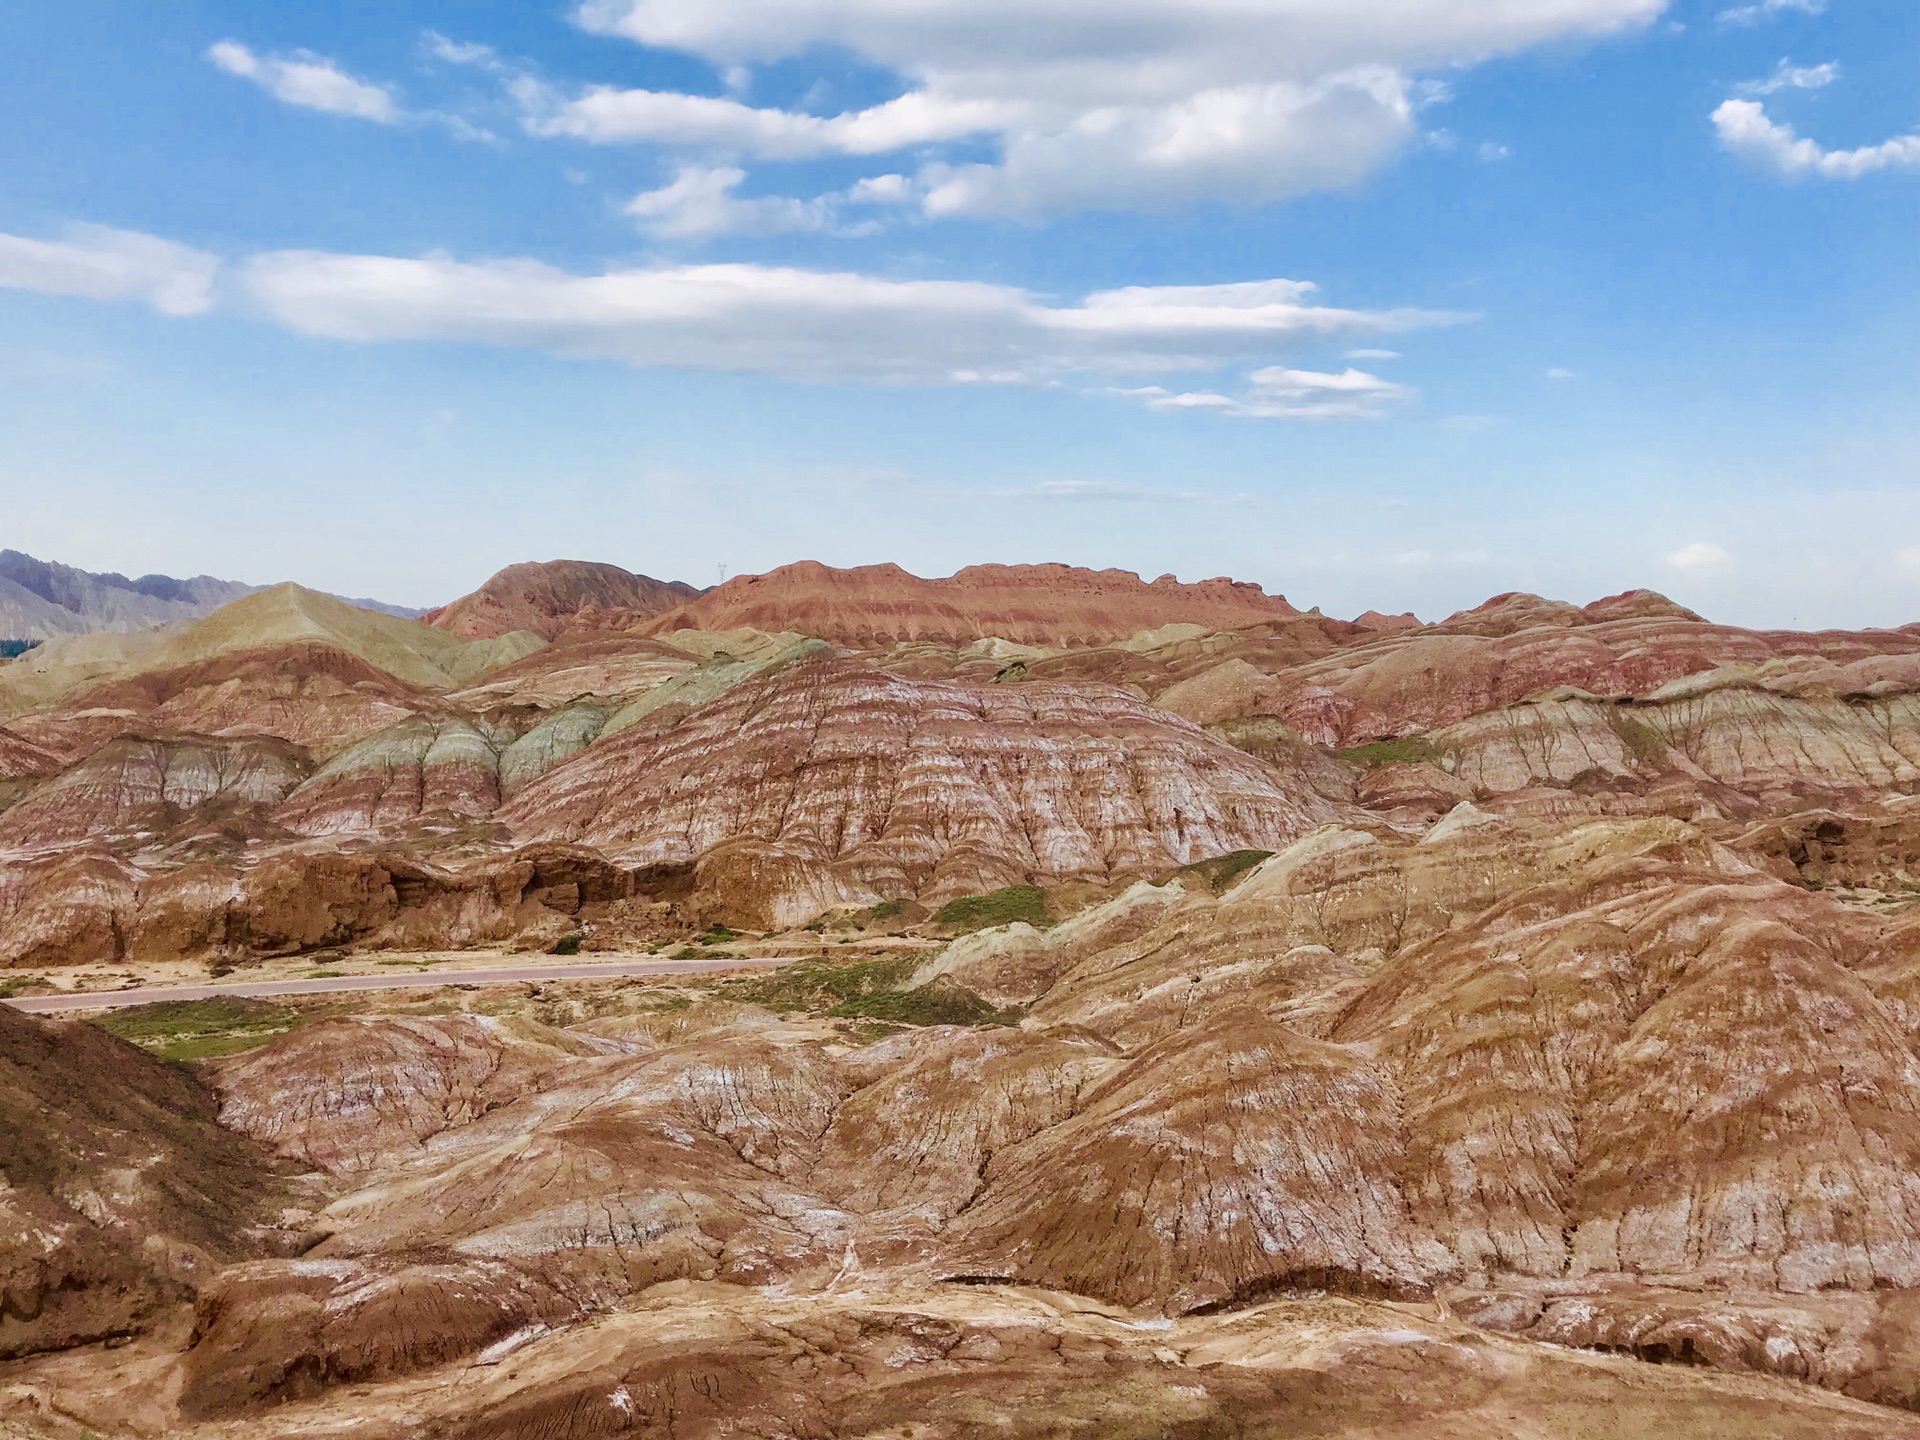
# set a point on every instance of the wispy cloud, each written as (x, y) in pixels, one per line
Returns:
(1791, 77)
(100, 263)
(1278, 393)
(309, 81)
(1767, 9)
(1560, 372)
(1745, 128)
(807, 324)
(699, 203)
(313, 82)
(1701, 557)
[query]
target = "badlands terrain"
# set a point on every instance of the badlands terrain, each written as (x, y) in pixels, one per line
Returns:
(1160, 1012)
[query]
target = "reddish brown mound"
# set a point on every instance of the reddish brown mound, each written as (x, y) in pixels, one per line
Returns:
(1515, 611)
(545, 596)
(311, 693)
(20, 756)
(119, 1193)
(878, 605)
(829, 782)
(140, 785)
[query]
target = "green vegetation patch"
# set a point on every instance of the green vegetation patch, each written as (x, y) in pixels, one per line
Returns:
(944, 1002)
(1223, 870)
(22, 985)
(717, 934)
(1412, 750)
(818, 985)
(568, 944)
(1002, 907)
(868, 990)
(1641, 740)
(200, 1029)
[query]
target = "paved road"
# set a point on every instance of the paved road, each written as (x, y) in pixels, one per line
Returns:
(409, 980)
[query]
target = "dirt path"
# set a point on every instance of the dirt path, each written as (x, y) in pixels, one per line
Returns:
(412, 980)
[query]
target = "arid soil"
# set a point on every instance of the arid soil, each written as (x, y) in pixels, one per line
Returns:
(1238, 1022)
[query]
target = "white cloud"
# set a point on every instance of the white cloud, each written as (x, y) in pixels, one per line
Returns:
(699, 203)
(1277, 393)
(1559, 372)
(817, 325)
(607, 116)
(1367, 353)
(1133, 104)
(1791, 77)
(1746, 129)
(309, 81)
(1699, 558)
(1766, 9)
(100, 263)
(1490, 151)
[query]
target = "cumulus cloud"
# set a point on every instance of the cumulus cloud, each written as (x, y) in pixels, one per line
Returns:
(1090, 104)
(1746, 129)
(100, 263)
(806, 324)
(1699, 558)
(1767, 9)
(310, 81)
(699, 203)
(1791, 77)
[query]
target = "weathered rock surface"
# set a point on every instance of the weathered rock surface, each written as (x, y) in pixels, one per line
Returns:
(1056, 605)
(119, 1193)
(545, 597)
(828, 783)
(1583, 1008)
(134, 785)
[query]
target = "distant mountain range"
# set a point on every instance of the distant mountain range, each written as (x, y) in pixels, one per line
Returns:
(41, 599)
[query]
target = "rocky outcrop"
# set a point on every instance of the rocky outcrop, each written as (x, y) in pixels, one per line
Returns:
(1056, 605)
(119, 1193)
(545, 597)
(828, 783)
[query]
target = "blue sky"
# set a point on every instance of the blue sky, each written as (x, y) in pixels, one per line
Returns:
(1392, 304)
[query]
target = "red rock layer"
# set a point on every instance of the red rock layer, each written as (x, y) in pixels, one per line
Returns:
(878, 605)
(311, 693)
(829, 781)
(544, 597)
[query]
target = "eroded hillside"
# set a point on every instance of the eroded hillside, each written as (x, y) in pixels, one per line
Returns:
(1312, 1027)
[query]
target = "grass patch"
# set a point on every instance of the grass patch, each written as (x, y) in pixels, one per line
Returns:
(885, 910)
(22, 985)
(1222, 870)
(868, 990)
(1641, 741)
(944, 1002)
(1412, 750)
(568, 944)
(200, 1029)
(819, 985)
(1002, 907)
(717, 934)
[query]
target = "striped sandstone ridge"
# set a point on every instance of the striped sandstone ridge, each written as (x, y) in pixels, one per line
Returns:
(1055, 605)
(545, 597)
(830, 783)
